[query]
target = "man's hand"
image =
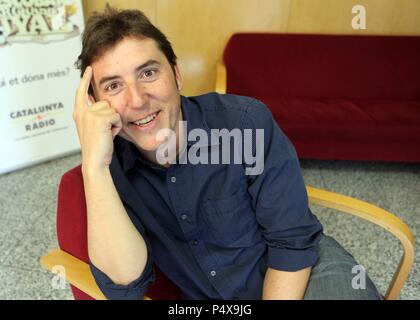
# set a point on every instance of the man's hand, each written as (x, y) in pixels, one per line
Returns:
(97, 124)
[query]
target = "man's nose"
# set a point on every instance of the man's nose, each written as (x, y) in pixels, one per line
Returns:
(138, 97)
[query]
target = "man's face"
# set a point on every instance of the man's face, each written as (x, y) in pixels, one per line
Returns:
(138, 82)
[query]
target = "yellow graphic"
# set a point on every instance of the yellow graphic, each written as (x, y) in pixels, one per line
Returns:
(36, 20)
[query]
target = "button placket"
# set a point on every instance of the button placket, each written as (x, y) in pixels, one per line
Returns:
(176, 185)
(187, 221)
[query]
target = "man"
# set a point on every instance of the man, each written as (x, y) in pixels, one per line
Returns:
(215, 230)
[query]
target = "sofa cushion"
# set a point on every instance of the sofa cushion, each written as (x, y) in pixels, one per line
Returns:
(323, 66)
(341, 129)
(338, 112)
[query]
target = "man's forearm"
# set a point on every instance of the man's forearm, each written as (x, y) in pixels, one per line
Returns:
(282, 285)
(114, 244)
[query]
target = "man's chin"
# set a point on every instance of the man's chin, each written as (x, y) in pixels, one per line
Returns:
(147, 146)
(142, 145)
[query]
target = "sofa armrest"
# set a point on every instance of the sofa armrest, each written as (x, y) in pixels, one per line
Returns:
(221, 77)
(380, 217)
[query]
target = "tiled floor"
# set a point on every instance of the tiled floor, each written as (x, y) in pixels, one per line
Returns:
(28, 204)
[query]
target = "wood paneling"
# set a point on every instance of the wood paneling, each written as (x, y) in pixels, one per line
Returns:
(199, 29)
(147, 6)
(334, 17)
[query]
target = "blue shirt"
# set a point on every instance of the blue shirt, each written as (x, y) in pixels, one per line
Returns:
(212, 229)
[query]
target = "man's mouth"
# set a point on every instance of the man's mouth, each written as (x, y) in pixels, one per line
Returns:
(144, 122)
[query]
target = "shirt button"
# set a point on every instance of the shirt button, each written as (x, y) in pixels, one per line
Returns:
(213, 273)
(184, 217)
(173, 179)
(195, 242)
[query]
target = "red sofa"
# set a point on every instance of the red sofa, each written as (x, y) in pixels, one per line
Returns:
(336, 97)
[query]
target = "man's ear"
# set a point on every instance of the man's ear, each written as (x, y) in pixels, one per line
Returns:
(178, 78)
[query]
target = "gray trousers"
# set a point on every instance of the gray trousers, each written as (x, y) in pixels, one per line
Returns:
(337, 276)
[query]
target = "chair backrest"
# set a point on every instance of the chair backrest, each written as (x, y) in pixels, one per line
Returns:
(270, 65)
(72, 234)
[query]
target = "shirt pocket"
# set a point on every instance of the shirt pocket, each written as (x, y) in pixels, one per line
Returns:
(230, 221)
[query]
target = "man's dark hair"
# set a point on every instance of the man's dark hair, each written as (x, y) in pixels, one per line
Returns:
(104, 30)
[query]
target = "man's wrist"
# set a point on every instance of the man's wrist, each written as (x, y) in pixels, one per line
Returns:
(94, 171)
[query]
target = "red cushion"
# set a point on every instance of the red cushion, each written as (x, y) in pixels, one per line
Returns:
(72, 233)
(350, 129)
(339, 112)
(71, 215)
(323, 66)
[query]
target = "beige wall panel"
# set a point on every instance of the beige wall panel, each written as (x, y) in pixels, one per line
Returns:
(335, 16)
(395, 17)
(199, 30)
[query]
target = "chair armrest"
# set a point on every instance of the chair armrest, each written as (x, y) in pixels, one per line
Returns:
(77, 272)
(220, 78)
(380, 217)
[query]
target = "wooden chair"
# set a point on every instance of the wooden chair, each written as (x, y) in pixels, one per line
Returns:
(72, 253)
(78, 274)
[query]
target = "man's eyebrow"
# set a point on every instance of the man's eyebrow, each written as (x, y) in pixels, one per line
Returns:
(144, 65)
(147, 64)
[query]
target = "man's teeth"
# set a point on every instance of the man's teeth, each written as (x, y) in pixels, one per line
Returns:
(146, 120)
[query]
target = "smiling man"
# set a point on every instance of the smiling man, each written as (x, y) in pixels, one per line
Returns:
(215, 231)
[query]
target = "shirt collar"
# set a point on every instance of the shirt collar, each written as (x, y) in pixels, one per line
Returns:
(127, 152)
(193, 117)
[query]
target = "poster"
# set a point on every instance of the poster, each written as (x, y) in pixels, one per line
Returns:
(40, 41)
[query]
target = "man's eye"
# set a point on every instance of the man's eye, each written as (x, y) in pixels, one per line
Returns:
(112, 86)
(147, 74)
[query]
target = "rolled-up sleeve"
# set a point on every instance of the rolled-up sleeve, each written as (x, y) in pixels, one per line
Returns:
(292, 232)
(133, 291)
